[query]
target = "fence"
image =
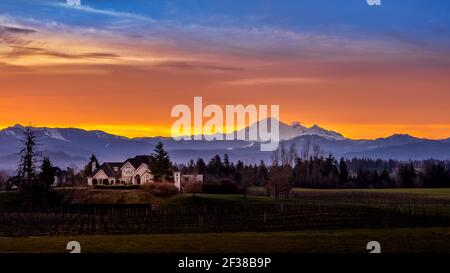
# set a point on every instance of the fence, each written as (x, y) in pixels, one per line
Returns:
(141, 219)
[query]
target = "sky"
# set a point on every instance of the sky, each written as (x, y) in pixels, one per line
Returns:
(120, 66)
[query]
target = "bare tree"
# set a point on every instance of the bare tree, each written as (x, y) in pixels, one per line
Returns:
(283, 157)
(283, 154)
(316, 150)
(73, 175)
(306, 149)
(292, 155)
(3, 180)
(276, 157)
(279, 181)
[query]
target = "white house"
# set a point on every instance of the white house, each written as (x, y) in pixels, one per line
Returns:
(135, 171)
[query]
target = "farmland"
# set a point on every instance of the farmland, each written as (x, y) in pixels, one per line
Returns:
(302, 223)
(398, 240)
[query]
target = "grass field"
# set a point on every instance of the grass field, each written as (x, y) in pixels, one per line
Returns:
(432, 193)
(256, 194)
(429, 238)
(435, 193)
(404, 240)
(84, 195)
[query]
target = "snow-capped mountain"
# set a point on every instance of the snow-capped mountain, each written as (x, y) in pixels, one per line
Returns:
(288, 132)
(73, 147)
(67, 146)
(296, 129)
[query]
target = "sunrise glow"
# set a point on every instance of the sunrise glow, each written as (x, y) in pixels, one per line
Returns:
(123, 67)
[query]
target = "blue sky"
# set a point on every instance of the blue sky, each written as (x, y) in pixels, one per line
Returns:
(414, 23)
(417, 19)
(336, 63)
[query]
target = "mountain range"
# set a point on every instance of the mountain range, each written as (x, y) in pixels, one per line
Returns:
(73, 147)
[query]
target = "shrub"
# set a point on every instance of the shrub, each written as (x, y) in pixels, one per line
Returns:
(221, 186)
(193, 187)
(162, 189)
(116, 187)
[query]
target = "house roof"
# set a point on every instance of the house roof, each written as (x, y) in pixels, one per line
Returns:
(137, 161)
(108, 167)
(57, 171)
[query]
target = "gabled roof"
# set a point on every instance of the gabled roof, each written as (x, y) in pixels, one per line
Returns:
(108, 169)
(137, 161)
(57, 171)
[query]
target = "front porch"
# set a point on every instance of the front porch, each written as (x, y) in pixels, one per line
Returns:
(134, 180)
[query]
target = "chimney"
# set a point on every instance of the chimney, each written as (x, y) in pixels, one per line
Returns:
(177, 179)
(94, 166)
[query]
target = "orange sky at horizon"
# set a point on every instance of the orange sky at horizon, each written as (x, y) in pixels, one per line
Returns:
(351, 131)
(363, 89)
(136, 101)
(99, 101)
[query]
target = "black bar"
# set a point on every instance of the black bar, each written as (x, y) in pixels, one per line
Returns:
(221, 262)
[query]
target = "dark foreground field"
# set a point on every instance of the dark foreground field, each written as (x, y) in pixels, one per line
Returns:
(403, 221)
(398, 240)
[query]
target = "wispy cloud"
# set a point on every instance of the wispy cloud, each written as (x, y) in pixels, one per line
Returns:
(17, 30)
(197, 65)
(107, 12)
(264, 81)
(20, 51)
(12, 35)
(129, 39)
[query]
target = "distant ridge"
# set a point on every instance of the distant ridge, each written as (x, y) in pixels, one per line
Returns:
(288, 132)
(73, 147)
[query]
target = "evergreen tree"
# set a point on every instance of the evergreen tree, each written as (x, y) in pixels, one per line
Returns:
(385, 179)
(160, 164)
(238, 172)
(26, 179)
(374, 179)
(262, 174)
(407, 175)
(201, 166)
(343, 172)
(190, 168)
(215, 166)
(72, 176)
(47, 175)
(93, 162)
(226, 165)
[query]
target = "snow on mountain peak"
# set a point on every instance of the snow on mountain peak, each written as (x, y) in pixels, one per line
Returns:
(54, 133)
(296, 129)
(288, 132)
(297, 124)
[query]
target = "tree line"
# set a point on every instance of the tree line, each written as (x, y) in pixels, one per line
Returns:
(34, 179)
(38, 176)
(288, 169)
